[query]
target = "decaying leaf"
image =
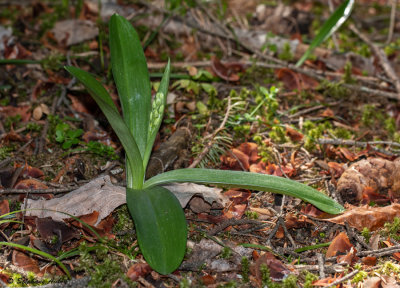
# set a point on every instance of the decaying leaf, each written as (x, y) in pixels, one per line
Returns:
(24, 261)
(381, 175)
(138, 270)
(74, 31)
(278, 271)
(227, 71)
(340, 244)
(366, 216)
(102, 196)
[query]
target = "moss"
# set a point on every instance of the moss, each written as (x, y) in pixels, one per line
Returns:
(347, 73)
(245, 269)
(389, 268)
(5, 152)
(290, 282)
(226, 253)
(286, 53)
(342, 133)
(392, 229)
(277, 134)
(102, 266)
(360, 276)
(390, 126)
(309, 279)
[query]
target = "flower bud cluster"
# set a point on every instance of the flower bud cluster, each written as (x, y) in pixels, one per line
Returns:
(156, 112)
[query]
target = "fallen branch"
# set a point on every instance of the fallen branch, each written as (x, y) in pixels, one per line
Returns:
(382, 58)
(361, 144)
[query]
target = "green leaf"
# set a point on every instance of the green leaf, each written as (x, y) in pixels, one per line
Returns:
(103, 99)
(131, 77)
(252, 181)
(163, 88)
(330, 26)
(160, 227)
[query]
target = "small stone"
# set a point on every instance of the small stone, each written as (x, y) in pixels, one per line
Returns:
(37, 113)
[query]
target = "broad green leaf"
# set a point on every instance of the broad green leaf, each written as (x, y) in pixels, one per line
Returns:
(163, 88)
(160, 227)
(38, 252)
(248, 180)
(330, 26)
(103, 99)
(131, 77)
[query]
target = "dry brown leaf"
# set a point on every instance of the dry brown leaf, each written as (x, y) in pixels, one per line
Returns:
(340, 244)
(27, 263)
(138, 270)
(366, 216)
(369, 260)
(278, 271)
(293, 134)
(226, 71)
(102, 196)
(74, 31)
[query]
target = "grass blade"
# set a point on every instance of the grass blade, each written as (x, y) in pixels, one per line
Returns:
(160, 227)
(330, 26)
(103, 99)
(248, 180)
(131, 77)
(38, 252)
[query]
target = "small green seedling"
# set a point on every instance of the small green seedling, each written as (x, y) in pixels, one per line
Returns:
(67, 136)
(159, 219)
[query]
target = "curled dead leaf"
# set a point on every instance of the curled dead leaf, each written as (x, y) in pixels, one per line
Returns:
(278, 271)
(138, 270)
(366, 216)
(226, 71)
(340, 245)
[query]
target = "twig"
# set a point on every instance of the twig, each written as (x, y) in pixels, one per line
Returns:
(212, 141)
(37, 191)
(321, 264)
(360, 144)
(319, 75)
(382, 58)
(334, 268)
(232, 222)
(341, 280)
(356, 236)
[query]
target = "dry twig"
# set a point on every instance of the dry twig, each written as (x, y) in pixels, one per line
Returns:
(382, 58)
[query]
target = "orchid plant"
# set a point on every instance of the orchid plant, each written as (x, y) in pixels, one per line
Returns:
(160, 222)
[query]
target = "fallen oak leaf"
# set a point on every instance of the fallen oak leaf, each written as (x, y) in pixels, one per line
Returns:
(366, 216)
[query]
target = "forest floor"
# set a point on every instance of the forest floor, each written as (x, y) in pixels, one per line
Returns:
(236, 101)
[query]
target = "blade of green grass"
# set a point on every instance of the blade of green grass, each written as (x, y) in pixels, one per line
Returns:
(330, 26)
(252, 181)
(103, 99)
(38, 252)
